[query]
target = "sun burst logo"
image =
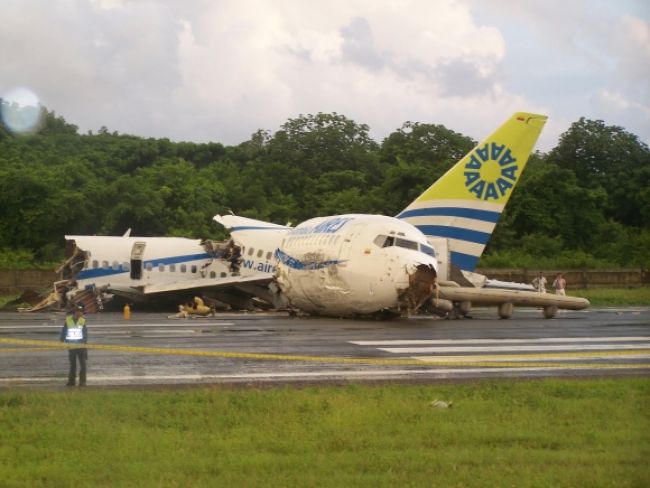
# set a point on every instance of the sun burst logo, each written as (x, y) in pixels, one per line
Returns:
(491, 172)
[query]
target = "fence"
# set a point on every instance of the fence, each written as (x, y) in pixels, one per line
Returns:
(16, 281)
(596, 278)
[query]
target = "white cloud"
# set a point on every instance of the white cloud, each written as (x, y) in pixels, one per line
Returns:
(220, 70)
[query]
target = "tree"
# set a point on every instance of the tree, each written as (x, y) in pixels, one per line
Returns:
(415, 156)
(611, 158)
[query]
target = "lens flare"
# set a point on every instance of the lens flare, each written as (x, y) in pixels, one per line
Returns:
(20, 111)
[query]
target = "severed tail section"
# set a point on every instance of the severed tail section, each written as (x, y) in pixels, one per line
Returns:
(464, 205)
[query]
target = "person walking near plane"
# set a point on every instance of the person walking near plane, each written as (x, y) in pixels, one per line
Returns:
(560, 285)
(75, 332)
(540, 282)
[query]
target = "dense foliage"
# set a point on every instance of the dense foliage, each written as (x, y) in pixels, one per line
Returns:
(587, 200)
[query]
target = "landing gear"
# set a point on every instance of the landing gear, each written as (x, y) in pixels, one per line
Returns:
(461, 310)
(550, 311)
(505, 310)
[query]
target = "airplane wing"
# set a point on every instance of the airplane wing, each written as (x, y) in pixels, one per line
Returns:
(507, 299)
(495, 296)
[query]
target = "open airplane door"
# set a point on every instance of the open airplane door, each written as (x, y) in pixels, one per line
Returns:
(137, 251)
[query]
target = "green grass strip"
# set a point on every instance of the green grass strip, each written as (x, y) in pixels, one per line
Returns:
(498, 433)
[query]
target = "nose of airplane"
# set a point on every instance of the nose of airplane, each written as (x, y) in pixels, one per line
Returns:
(422, 284)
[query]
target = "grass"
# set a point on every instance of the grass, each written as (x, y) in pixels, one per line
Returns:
(4, 299)
(614, 296)
(507, 433)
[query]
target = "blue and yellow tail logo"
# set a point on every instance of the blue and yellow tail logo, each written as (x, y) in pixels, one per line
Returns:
(465, 204)
(491, 171)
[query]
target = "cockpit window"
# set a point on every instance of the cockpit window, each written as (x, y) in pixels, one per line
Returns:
(388, 241)
(405, 243)
(428, 250)
(384, 241)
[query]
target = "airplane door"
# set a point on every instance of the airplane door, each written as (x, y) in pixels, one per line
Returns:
(137, 251)
(348, 238)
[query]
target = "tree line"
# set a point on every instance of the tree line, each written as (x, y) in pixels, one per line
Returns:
(585, 203)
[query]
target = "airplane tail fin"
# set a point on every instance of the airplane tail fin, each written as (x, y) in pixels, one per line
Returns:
(465, 204)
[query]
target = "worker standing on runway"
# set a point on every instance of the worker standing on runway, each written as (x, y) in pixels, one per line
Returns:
(75, 331)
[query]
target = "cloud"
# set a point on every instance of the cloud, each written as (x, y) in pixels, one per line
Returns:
(220, 70)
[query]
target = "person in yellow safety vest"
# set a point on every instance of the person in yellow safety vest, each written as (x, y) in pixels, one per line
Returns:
(75, 332)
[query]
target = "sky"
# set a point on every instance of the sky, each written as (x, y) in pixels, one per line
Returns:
(216, 70)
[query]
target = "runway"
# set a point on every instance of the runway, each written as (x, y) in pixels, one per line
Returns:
(268, 348)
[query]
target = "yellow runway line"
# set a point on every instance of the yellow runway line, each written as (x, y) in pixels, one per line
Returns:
(318, 359)
(24, 349)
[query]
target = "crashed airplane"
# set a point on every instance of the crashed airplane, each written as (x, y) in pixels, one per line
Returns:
(345, 265)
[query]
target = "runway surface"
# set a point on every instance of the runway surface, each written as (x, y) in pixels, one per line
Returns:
(153, 349)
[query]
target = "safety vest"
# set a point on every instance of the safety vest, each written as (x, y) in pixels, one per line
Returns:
(75, 329)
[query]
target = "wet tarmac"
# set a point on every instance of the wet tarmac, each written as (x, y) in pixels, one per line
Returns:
(273, 348)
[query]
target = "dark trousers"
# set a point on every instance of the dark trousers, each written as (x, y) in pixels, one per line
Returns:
(82, 355)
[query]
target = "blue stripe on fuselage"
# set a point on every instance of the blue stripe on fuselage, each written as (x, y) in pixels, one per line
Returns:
(297, 264)
(469, 213)
(86, 274)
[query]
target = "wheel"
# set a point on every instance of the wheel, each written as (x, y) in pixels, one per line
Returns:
(550, 311)
(505, 310)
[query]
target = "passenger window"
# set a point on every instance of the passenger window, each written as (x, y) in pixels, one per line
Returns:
(213, 274)
(405, 243)
(268, 255)
(172, 268)
(260, 253)
(148, 266)
(95, 263)
(193, 268)
(251, 251)
(223, 275)
(126, 266)
(183, 268)
(116, 265)
(161, 267)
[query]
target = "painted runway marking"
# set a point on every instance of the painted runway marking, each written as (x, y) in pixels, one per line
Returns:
(404, 342)
(471, 362)
(584, 352)
(607, 355)
(576, 347)
(155, 379)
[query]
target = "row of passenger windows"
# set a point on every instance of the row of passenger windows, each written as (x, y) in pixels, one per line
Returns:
(114, 265)
(260, 252)
(148, 266)
(388, 241)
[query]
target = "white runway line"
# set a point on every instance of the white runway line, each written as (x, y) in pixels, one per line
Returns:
(572, 347)
(156, 379)
(431, 342)
(532, 357)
